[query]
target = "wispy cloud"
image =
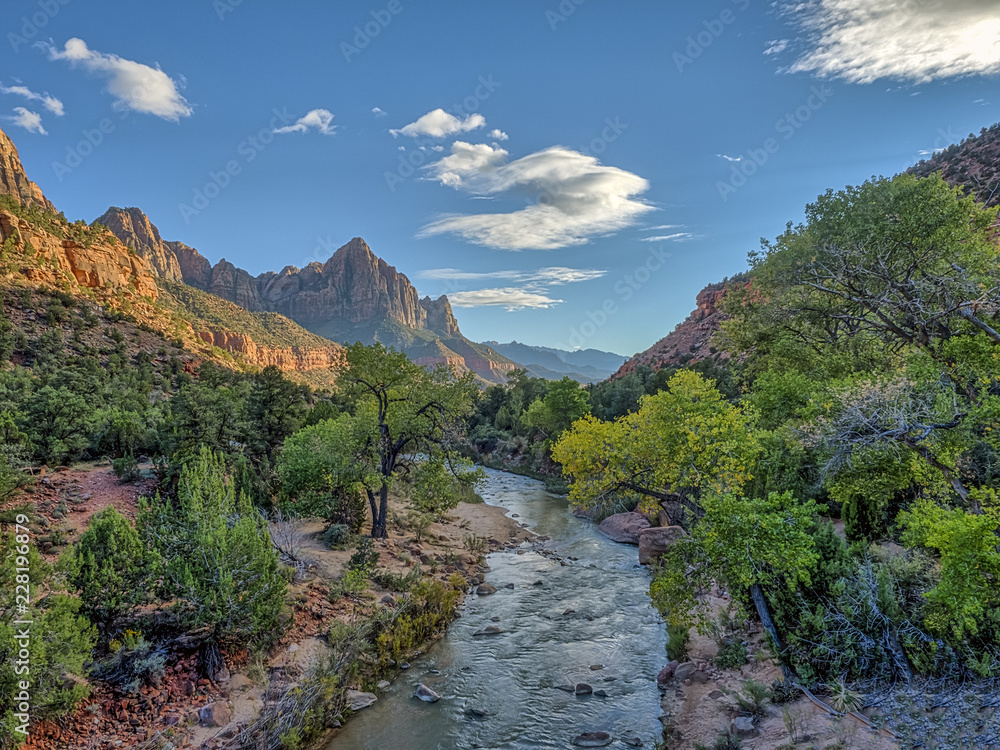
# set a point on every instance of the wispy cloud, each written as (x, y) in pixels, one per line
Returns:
(511, 298)
(576, 197)
(30, 121)
(676, 237)
(497, 135)
(730, 158)
(135, 86)
(440, 124)
(542, 277)
(379, 112)
(776, 46)
(320, 119)
(863, 41)
(531, 290)
(50, 103)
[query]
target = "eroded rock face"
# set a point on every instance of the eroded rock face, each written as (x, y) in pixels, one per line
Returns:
(136, 231)
(284, 358)
(13, 179)
(624, 527)
(654, 542)
(103, 265)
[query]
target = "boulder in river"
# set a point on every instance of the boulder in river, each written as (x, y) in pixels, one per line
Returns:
(424, 693)
(582, 688)
(624, 527)
(356, 700)
(593, 739)
(484, 589)
(489, 630)
(654, 542)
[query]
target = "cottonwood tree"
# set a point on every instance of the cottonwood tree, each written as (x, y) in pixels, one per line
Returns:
(404, 414)
(679, 442)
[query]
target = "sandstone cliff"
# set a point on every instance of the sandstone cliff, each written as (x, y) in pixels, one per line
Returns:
(690, 341)
(353, 296)
(14, 181)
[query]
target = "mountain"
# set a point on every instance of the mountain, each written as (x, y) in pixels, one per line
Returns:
(353, 296)
(690, 340)
(40, 248)
(973, 164)
(585, 365)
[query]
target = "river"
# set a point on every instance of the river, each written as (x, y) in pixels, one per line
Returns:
(559, 620)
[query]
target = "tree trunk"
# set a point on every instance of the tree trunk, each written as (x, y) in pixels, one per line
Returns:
(380, 527)
(374, 507)
(764, 613)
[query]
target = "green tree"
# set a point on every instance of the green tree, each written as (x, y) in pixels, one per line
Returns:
(563, 405)
(214, 557)
(406, 411)
(109, 566)
(679, 443)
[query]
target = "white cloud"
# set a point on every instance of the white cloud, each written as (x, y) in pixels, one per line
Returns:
(321, 119)
(677, 237)
(730, 158)
(135, 86)
(497, 135)
(776, 46)
(863, 41)
(575, 197)
(30, 121)
(511, 298)
(379, 112)
(553, 276)
(440, 124)
(50, 103)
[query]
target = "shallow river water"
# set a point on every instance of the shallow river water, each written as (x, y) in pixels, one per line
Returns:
(591, 611)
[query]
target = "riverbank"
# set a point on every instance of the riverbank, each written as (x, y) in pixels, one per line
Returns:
(180, 709)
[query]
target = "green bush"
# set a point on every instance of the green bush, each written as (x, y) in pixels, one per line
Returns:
(109, 566)
(336, 535)
(126, 468)
(365, 556)
(677, 642)
(132, 663)
(732, 655)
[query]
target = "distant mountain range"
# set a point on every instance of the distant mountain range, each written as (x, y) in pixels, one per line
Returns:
(584, 365)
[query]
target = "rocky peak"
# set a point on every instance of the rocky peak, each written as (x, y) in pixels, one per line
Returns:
(13, 179)
(440, 318)
(135, 229)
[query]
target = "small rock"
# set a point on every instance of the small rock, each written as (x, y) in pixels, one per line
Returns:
(223, 675)
(356, 700)
(425, 694)
(404, 665)
(479, 713)
(582, 688)
(484, 589)
(537, 583)
(593, 739)
(742, 726)
(596, 667)
(685, 670)
(509, 586)
(489, 630)
(667, 673)
(215, 715)
(601, 693)
(383, 684)
(293, 648)
(567, 688)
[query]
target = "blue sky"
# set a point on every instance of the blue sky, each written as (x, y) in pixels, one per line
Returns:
(570, 173)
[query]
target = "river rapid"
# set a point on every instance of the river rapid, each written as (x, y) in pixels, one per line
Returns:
(578, 601)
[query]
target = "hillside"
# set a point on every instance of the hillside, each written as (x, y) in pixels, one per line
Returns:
(690, 341)
(353, 296)
(585, 366)
(42, 250)
(973, 164)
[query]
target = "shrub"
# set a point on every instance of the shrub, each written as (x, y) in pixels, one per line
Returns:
(677, 642)
(477, 545)
(783, 692)
(214, 555)
(126, 468)
(109, 566)
(336, 535)
(390, 581)
(732, 655)
(133, 662)
(365, 556)
(752, 700)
